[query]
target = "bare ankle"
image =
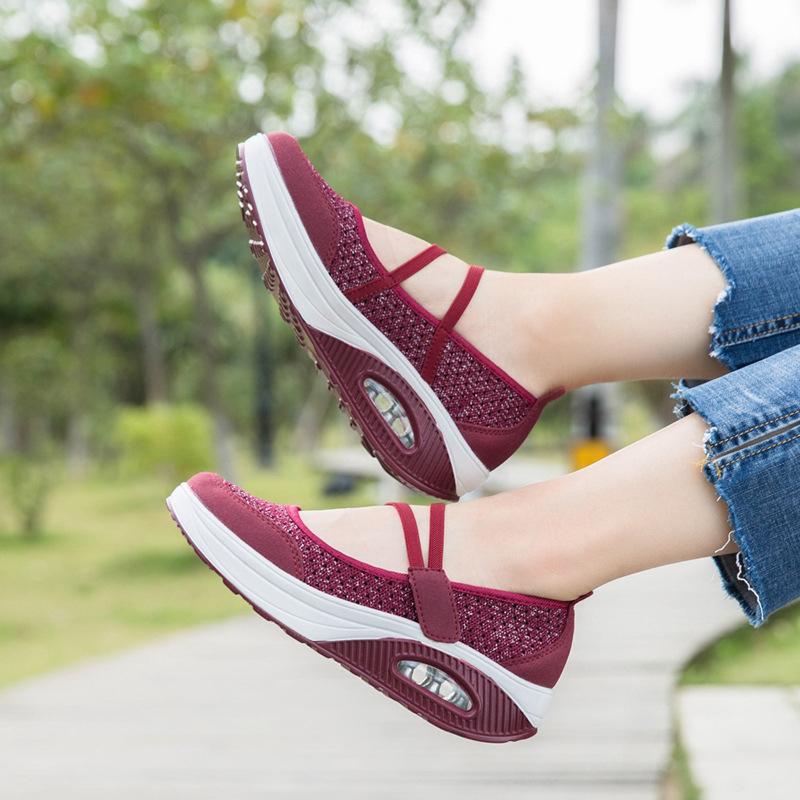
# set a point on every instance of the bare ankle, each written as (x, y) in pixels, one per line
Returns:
(499, 541)
(514, 319)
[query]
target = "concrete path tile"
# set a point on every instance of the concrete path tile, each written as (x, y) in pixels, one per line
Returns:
(743, 742)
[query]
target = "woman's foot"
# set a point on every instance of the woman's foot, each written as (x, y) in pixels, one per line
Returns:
(412, 357)
(513, 318)
(478, 662)
(646, 505)
(510, 557)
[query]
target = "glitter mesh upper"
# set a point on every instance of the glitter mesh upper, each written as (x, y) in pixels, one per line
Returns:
(470, 391)
(350, 265)
(410, 332)
(475, 395)
(500, 629)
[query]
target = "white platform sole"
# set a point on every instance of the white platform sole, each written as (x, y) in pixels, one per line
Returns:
(321, 617)
(324, 307)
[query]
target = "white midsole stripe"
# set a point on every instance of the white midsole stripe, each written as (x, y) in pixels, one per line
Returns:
(323, 306)
(321, 617)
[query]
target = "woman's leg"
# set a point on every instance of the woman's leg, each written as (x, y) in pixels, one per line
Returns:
(733, 291)
(737, 294)
(647, 317)
(666, 498)
(647, 505)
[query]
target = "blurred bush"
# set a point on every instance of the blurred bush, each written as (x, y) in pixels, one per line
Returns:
(38, 392)
(171, 441)
(28, 482)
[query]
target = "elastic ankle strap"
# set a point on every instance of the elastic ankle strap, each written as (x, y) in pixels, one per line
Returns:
(433, 593)
(396, 276)
(444, 327)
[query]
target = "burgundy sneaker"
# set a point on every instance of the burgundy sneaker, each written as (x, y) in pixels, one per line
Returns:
(476, 662)
(437, 414)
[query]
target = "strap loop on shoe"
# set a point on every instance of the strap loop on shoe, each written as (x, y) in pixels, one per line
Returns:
(436, 537)
(411, 534)
(430, 586)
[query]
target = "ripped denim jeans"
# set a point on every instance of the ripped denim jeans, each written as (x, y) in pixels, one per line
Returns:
(753, 441)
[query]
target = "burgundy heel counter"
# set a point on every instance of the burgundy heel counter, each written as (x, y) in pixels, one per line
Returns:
(546, 669)
(306, 189)
(493, 446)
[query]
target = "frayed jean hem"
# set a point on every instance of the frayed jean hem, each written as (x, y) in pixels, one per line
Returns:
(688, 234)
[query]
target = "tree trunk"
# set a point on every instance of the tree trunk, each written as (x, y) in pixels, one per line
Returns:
(724, 184)
(8, 426)
(264, 374)
(153, 362)
(77, 443)
(78, 455)
(209, 382)
(602, 213)
(594, 408)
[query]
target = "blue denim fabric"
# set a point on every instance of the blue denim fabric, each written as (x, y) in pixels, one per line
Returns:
(753, 461)
(759, 314)
(753, 441)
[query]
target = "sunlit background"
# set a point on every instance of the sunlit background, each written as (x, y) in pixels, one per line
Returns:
(137, 344)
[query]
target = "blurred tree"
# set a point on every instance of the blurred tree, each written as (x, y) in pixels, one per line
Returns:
(770, 144)
(37, 362)
(596, 406)
(603, 181)
(119, 236)
(132, 112)
(724, 158)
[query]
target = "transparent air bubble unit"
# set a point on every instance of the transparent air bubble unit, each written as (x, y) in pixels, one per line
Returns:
(392, 411)
(436, 681)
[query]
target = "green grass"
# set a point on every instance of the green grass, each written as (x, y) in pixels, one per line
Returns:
(767, 655)
(112, 570)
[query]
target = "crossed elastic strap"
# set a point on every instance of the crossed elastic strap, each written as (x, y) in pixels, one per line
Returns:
(433, 594)
(446, 324)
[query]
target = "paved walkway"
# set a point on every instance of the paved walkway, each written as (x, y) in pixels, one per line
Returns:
(358, 463)
(743, 741)
(239, 710)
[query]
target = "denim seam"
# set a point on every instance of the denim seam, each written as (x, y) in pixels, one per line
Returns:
(747, 578)
(755, 336)
(727, 464)
(755, 427)
(762, 322)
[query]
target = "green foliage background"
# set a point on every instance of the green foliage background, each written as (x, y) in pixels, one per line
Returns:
(124, 277)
